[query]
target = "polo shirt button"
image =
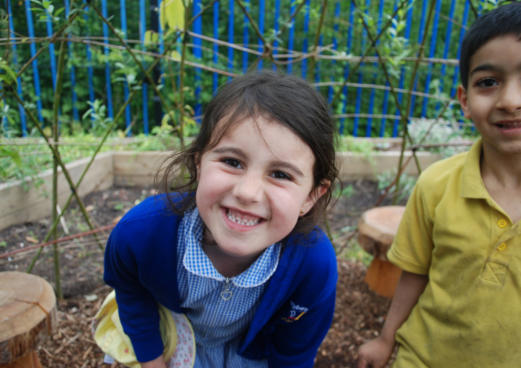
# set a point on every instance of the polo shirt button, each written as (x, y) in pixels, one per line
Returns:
(502, 223)
(502, 247)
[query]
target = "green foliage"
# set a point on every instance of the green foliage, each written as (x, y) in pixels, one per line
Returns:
(407, 183)
(395, 48)
(172, 14)
(7, 75)
(357, 145)
(98, 115)
(4, 23)
(28, 159)
(44, 9)
(16, 165)
(9, 115)
(488, 5)
(341, 191)
(397, 44)
(355, 252)
(12, 157)
(119, 206)
(437, 132)
(161, 139)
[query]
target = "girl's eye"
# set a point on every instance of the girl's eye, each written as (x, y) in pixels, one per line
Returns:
(487, 83)
(232, 162)
(280, 175)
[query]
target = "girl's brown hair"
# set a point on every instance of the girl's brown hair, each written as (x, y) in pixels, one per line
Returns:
(286, 99)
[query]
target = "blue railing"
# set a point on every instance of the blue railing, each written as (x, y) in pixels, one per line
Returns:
(363, 106)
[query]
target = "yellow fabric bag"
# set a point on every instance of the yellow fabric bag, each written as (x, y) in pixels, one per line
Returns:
(110, 337)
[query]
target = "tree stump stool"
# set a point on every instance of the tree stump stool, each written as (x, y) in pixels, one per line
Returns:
(27, 309)
(376, 230)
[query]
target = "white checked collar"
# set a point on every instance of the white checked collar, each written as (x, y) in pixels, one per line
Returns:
(198, 263)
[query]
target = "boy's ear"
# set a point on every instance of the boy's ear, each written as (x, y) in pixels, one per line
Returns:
(463, 100)
(314, 196)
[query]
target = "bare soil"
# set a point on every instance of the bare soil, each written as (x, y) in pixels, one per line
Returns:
(359, 312)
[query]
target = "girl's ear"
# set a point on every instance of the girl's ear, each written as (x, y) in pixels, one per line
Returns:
(463, 100)
(314, 196)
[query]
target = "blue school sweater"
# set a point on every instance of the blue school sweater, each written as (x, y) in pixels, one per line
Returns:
(293, 315)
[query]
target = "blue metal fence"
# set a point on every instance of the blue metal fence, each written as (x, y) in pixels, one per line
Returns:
(363, 106)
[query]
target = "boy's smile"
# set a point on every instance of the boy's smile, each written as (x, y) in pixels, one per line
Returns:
(492, 98)
(252, 187)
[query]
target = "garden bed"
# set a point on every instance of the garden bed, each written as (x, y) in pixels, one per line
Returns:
(30, 200)
(359, 312)
(120, 180)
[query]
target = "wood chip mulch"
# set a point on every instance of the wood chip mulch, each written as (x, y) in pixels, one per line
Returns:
(71, 344)
(359, 316)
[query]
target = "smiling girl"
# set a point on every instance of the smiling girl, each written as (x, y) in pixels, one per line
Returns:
(236, 248)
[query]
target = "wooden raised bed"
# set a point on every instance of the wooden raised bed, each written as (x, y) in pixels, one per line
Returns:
(33, 202)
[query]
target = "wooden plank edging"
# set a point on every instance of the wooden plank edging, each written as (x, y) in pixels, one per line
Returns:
(139, 168)
(29, 200)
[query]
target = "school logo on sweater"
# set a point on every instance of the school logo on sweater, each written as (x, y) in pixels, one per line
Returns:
(295, 313)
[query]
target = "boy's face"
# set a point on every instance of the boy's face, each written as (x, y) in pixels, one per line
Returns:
(492, 99)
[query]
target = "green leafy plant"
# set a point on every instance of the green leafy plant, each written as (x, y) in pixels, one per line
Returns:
(357, 145)
(10, 154)
(119, 206)
(407, 183)
(7, 75)
(354, 252)
(343, 191)
(23, 160)
(7, 115)
(14, 165)
(437, 133)
(98, 114)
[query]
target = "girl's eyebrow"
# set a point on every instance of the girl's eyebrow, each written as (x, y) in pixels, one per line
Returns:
(233, 150)
(279, 164)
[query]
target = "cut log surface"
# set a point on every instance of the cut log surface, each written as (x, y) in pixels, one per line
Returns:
(377, 228)
(27, 309)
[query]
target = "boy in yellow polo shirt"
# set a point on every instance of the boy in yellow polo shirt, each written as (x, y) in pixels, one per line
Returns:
(458, 302)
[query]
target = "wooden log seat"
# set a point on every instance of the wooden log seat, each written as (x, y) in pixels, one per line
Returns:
(376, 230)
(27, 310)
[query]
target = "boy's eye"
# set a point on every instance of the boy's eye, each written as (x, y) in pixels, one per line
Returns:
(232, 162)
(487, 83)
(281, 175)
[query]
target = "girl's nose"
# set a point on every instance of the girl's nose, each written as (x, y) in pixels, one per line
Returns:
(510, 98)
(248, 188)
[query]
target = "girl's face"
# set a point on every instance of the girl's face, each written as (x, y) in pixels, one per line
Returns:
(253, 185)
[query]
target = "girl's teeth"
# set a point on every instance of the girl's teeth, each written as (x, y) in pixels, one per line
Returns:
(236, 218)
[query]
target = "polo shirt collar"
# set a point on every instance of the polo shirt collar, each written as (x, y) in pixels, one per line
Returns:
(197, 262)
(472, 185)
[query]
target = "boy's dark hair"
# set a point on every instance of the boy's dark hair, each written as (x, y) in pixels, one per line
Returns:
(286, 99)
(501, 21)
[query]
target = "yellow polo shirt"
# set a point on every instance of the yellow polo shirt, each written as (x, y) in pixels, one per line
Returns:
(452, 230)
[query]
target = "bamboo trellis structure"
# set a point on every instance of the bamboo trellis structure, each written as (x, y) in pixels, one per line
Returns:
(387, 44)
